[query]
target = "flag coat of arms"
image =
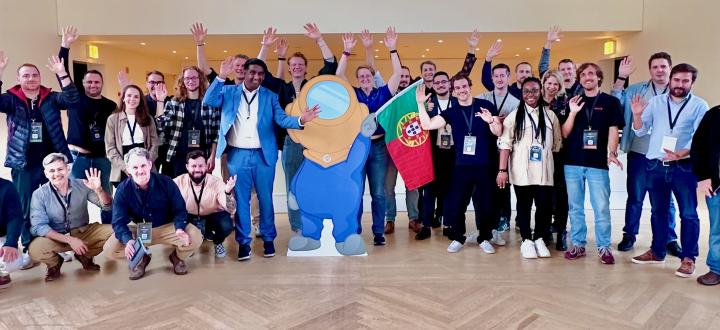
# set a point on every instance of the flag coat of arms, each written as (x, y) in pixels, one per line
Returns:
(408, 144)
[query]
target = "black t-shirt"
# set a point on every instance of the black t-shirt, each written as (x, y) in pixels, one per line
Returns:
(38, 150)
(607, 112)
(463, 121)
(96, 113)
(192, 119)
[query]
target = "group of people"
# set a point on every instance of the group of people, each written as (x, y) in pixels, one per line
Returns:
(548, 137)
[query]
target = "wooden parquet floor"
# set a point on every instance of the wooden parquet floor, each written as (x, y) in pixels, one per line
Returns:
(404, 285)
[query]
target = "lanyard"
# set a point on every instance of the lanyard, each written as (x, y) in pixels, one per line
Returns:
(198, 198)
(655, 91)
(499, 109)
(249, 102)
(131, 129)
(142, 199)
(589, 111)
(536, 130)
(670, 119)
(196, 111)
(65, 204)
(469, 121)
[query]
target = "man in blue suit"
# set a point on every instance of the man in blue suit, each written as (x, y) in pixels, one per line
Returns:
(248, 138)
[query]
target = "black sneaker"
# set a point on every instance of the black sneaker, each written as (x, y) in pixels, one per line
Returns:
(674, 249)
(244, 252)
(268, 249)
(424, 233)
(626, 244)
(435, 222)
(379, 240)
(561, 244)
(446, 231)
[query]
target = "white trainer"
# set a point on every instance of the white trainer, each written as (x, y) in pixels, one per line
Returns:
(497, 238)
(454, 247)
(527, 249)
(487, 247)
(541, 248)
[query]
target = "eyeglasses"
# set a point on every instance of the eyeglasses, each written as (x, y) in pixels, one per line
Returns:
(153, 83)
(441, 82)
(531, 91)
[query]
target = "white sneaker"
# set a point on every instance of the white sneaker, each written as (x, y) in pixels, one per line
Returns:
(454, 247)
(67, 256)
(27, 262)
(527, 249)
(542, 250)
(472, 237)
(487, 247)
(497, 238)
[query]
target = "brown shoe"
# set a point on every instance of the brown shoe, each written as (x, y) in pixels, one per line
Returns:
(53, 273)
(139, 271)
(389, 227)
(414, 225)
(179, 266)
(647, 258)
(87, 263)
(5, 280)
(709, 279)
(687, 268)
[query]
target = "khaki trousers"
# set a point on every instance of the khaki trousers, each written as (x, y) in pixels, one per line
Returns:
(94, 236)
(165, 234)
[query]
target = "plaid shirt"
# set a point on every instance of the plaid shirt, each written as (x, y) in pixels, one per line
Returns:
(171, 122)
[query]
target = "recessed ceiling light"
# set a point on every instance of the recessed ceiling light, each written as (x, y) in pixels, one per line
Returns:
(187, 58)
(423, 55)
(174, 51)
(558, 39)
(224, 51)
(517, 55)
(440, 41)
(381, 41)
(499, 40)
(142, 44)
(427, 49)
(377, 56)
(275, 51)
(477, 48)
(527, 48)
(377, 50)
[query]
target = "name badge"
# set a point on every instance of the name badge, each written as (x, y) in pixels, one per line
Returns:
(535, 154)
(469, 145)
(590, 137)
(144, 232)
(445, 141)
(36, 132)
(95, 134)
(669, 143)
(194, 138)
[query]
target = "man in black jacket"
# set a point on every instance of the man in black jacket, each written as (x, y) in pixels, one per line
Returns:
(705, 156)
(10, 227)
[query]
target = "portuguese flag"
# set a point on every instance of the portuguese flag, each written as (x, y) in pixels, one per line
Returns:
(408, 145)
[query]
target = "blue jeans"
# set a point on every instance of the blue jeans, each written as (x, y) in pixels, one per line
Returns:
(598, 182)
(713, 259)
(375, 169)
(292, 157)
(411, 196)
(637, 187)
(678, 179)
(81, 163)
(252, 171)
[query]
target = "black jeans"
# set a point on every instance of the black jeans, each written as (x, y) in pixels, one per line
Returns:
(560, 195)
(542, 196)
(217, 226)
(437, 191)
(25, 182)
(471, 182)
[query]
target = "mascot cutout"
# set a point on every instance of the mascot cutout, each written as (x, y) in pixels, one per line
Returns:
(329, 183)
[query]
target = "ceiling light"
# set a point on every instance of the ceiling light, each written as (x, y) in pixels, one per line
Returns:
(377, 50)
(381, 41)
(224, 51)
(187, 58)
(517, 55)
(477, 48)
(499, 40)
(423, 55)
(427, 49)
(558, 39)
(440, 41)
(377, 56)
(142, 44)
(174, 51)
(527, 48)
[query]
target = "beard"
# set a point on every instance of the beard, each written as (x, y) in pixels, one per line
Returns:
(679, 92)
(197, 179)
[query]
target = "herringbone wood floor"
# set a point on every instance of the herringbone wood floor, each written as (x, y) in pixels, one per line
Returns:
(405, 285)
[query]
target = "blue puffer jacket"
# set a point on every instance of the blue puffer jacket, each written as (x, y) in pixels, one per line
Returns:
(14, 104)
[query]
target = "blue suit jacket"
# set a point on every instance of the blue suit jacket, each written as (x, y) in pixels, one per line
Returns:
(228, 97)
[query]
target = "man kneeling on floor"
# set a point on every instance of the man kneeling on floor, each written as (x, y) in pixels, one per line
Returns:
(209, 201)
(155, 204)
(59, 217)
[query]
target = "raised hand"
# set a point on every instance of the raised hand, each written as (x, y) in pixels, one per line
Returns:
(312, 31)
(367, 38)
(349, 41)
(638, 105)
(69, 35)
(93, 181)
(309, 114)
(576, 104)
(230, 184)
(123, 79)
(281, 47)
(485, 114)
(226, 67)
(199, 33)
(420, 95)
(161, 92)
(626, 67)
(494, 50)
(473, 40)
(56, 65)
(553, 34)
(269, 36)
(391, 38)
(3, 61)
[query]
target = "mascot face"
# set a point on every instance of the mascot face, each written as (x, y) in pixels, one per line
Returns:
(328, 138)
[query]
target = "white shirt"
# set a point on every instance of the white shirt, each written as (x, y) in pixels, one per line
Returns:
(244, 132)
(138, 137)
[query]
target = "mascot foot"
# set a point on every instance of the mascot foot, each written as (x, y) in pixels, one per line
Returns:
(353, 245)
(301, 243)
